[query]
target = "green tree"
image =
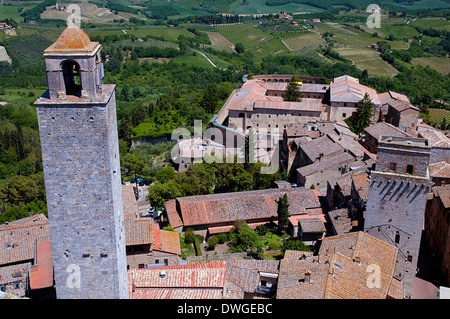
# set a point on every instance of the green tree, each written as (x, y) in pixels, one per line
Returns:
(292, 93)
(210, 98)
(294, 244)
(362, 118)
(244, 239)
(212, 242)
(283, 212)
(124, 129)
(160, 193)
(239, 47)
(198, 179)
(189, 236)
(165, 174)
(135, 163)
(20, 190)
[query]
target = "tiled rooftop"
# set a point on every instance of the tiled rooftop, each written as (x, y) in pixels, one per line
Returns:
(172, 214)
(333, 161)
(341, 221)
(439, 169)
(321, 145)
(436, 138)
(361, 184)
(138, 231)
(348, 89)
(196, 275)
(340, 270)
(444, 194)
(227, 207)
(130, 207)
(18, 238)
(73, 41)
(385, 129)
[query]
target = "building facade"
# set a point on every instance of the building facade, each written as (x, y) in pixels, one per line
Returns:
(80, 153)
(396, 201)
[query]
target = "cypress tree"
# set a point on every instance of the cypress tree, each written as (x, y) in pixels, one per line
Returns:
(283, 212)
(363, 115)
(292, 93)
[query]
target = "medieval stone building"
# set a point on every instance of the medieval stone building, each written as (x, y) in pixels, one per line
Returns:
(80, 153)
(396, 201)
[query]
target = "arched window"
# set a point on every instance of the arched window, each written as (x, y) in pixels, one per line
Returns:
(72, 78)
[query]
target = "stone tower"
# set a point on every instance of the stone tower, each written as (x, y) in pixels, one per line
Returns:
(80, 154)
(396, 201)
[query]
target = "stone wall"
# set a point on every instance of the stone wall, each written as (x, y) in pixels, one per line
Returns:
(84, 196)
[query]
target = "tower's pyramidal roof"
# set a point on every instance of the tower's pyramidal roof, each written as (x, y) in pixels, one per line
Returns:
(72, 41)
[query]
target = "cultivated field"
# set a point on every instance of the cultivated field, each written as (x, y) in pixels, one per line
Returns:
(260, 7)
(253, 39)
(219, 42)
(437, 115)
(367, 59)
(440, 64)
(302, 41)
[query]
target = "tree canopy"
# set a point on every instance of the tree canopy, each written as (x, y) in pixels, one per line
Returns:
(292, 93)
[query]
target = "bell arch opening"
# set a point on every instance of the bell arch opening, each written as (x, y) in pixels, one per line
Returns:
(72, 77)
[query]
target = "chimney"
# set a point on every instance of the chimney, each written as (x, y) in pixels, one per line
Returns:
(308, 277)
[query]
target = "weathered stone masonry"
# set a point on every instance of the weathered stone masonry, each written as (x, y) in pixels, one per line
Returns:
(80, 155)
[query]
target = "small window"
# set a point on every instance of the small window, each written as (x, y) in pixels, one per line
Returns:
(409, 169)
(397, 237)
(141, 266)
(393, 166)
(410, 258)
(344, 114)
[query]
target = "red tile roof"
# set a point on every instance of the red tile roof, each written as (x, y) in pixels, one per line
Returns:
(348, 89)
(361, 184)
(172, 213)
(18, 238)
(167, 241)
(138, 231)
(196, 275)
(341, 270)
(72, 41)
(228, 207)
(41, 274)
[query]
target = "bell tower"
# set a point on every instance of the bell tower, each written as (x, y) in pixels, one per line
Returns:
(80, 154)
(73, 66)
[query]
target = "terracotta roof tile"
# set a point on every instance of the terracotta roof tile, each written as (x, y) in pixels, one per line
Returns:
(197, 275)
(340, 270)
(227, 207)
(348, 89)
(72, 40)
(41, 274)
(172, 213)
(360, 183)
(18, 239)
(385, 129)
(138, 231)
